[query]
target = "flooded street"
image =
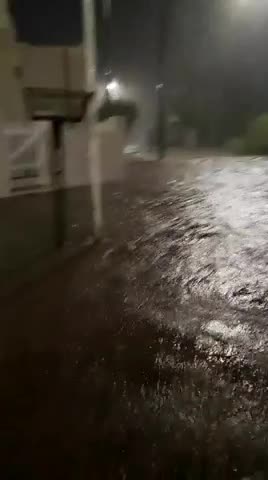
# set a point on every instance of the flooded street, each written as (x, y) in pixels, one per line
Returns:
(147, 356)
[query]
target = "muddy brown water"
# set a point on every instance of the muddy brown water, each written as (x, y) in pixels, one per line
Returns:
(146, 357)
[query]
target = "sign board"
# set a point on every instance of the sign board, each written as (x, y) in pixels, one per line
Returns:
(49, 104)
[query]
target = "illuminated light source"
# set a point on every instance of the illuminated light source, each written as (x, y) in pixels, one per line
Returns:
(114, 88)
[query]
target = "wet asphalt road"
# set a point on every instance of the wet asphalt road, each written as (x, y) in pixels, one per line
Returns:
(146, 357)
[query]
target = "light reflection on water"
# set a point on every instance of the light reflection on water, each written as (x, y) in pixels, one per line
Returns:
(220, 225)
(207, 238)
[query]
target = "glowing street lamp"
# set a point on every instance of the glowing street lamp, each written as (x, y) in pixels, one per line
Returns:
(113, 88)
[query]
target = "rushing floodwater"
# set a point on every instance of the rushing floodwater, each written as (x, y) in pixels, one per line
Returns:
(146, 357)
(208, 235)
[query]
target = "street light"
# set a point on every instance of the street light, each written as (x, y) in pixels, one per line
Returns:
(165, 12)
(113, 88)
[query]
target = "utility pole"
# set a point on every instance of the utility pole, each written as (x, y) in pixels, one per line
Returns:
(165, 8)
(107, 17)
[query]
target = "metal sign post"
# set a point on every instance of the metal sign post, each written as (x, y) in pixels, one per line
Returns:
(165, 12)
(58, 107)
